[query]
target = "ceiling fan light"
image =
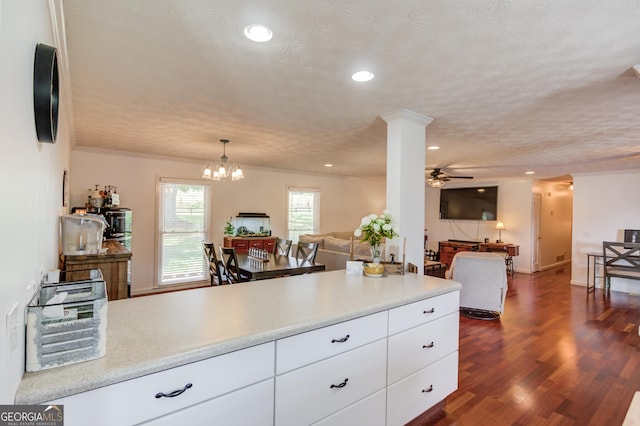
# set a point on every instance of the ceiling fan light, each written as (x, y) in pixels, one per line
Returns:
(435, 183)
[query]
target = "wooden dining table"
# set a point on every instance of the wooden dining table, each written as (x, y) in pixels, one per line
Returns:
(275, 266)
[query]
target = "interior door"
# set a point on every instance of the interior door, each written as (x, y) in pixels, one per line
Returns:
(535, 232)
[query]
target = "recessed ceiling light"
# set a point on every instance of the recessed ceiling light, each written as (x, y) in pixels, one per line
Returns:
(530, 173)
(328, 165)
(258, 33)
(433, 147)
(362, 76)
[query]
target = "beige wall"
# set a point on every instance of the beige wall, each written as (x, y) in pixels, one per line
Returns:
(31, 173)
(343, 201)
(514, 210)
(604, 205)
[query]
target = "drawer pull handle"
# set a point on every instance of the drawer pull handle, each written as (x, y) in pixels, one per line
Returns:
(340, 385)
(430, 389)
(344, 339)
(175, 392)
(430, 345)
(430, 311)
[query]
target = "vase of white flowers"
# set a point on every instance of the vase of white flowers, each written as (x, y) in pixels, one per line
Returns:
(373, 229)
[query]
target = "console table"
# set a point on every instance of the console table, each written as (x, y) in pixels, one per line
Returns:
(242, 244)
(448, 249)
(509, 249)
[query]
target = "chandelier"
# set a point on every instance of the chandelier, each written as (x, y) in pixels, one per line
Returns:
(223, 171)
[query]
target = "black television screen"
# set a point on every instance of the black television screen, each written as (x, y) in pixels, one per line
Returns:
(632, 235)
(479, 203)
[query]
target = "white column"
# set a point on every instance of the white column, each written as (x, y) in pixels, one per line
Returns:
(406, 147)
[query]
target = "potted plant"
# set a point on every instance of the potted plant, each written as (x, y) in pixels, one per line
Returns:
(373, 229)
(229, 229)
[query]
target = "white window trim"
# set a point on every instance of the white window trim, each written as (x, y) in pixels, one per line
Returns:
(316, 212)
(206, 230)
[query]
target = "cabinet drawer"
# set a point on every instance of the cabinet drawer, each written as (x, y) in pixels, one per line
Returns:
(371, 411)
(417, 393)
(413, 314)
(256, 243)
(134, 401)
(269, 245)
(229, 410)
(418, 347)
(306, 348)
(239, 244)
(306, 395)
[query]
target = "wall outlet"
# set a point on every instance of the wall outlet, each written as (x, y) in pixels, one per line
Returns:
(12, 331)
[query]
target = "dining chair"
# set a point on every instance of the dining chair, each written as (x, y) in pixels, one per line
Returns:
(229, 261)
(216, 269)
(282, 247)
(307, 251)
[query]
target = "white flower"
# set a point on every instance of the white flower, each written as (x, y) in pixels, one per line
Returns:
(365, 221)
(376, 226)
(358, 232)
(373, 216)
(386, 226)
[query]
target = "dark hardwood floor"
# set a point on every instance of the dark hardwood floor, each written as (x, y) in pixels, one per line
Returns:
(556, 357)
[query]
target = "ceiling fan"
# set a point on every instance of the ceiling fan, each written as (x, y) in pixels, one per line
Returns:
(437, 178)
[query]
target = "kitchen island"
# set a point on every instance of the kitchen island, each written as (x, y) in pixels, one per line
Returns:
(241, 330)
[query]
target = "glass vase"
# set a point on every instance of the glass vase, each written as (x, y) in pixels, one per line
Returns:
(376, 252)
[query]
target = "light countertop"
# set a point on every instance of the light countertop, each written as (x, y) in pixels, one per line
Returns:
(152, 333)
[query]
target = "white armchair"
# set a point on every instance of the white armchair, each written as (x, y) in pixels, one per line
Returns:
(484, 283)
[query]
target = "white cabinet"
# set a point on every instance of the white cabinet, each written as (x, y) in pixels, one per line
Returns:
(308, 394)
(312, 346)
(383, 368)
(413, 314)
(138, 400)
(420, 346)
(423, 356)
(420, 391)
(371, 411)
(249, 406)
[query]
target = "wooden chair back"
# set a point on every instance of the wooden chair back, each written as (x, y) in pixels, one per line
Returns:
(229, 261)
(307, 251)
(282, 247)
(216, 269)
(621, 260)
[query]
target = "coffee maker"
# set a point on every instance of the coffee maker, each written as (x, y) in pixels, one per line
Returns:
(119, 221)
(82, 234)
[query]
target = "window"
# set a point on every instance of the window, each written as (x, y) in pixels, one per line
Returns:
(183, 223)
(303, 212)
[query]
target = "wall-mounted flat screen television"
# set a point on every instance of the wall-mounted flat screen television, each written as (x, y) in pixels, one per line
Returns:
(478, 203)
(632, 235)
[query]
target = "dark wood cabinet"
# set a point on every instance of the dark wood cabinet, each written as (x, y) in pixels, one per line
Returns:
(448, 249)
(242, 244)
(509, 249)
(113, 264)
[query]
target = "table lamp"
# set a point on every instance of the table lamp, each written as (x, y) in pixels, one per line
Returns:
(500, 228)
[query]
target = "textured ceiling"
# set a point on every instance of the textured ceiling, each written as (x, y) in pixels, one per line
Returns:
(511, 85)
